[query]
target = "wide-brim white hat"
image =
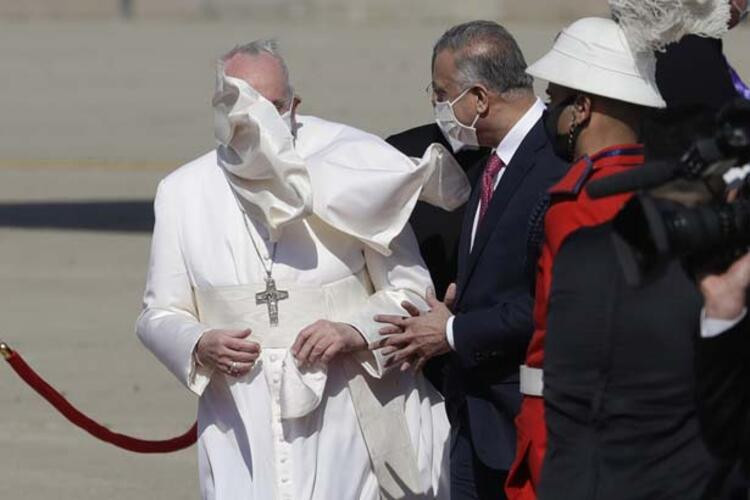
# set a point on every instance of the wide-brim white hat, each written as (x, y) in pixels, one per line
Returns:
(593, 56)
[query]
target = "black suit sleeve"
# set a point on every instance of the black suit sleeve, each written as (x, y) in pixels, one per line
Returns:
(415, 141)
(499, 332)
(723, 387)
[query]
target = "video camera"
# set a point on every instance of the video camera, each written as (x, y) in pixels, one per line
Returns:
(680, 209)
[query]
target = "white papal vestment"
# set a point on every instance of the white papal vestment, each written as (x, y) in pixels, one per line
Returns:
(251, 446)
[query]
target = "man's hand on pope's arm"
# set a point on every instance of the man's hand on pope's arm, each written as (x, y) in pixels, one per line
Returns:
(412, 341)
(227, 351)
(323, 340)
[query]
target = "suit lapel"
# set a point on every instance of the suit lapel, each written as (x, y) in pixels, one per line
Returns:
(520, 165)
(465, 238)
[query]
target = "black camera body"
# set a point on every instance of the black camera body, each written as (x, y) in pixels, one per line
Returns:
(680, 209)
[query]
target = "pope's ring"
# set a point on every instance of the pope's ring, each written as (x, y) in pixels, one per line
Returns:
(233, 367)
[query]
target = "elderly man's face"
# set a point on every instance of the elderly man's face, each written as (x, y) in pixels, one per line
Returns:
(264, 73)
(446, 88)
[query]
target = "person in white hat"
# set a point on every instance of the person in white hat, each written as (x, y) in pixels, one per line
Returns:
(599, 91)
(601, 400)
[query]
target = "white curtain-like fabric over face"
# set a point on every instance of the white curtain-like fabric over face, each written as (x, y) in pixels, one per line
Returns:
(352, 180)
(263, 168)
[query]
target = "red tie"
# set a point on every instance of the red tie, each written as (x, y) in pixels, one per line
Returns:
(493, 167)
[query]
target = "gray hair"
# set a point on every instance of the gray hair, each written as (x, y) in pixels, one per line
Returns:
(263, 46)
(485, 53)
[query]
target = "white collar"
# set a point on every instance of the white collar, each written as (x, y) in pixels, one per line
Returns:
(513, 139)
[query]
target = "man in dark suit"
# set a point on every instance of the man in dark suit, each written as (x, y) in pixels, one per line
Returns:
(437, 230)
(481, 89)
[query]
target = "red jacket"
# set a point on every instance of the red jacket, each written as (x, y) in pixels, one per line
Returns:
(570, 209)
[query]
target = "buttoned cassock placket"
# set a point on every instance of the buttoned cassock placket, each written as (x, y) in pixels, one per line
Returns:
(273, 366)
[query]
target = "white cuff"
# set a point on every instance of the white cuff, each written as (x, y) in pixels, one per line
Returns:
(449, 332)
(713, 327)
(198, 375)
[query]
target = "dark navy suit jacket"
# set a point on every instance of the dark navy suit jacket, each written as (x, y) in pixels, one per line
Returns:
(493, 323)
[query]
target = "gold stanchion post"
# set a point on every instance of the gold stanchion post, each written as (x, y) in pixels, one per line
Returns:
(5, 350)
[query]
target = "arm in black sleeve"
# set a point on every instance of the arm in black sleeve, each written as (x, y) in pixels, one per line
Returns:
(723, 390)
(500, 332)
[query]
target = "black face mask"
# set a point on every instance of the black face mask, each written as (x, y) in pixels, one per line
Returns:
(561, 143)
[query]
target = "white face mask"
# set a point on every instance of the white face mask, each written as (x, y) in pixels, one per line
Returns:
(459, 136)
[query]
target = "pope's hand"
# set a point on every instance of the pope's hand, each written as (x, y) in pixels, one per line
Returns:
(323, 340)
(228, 351)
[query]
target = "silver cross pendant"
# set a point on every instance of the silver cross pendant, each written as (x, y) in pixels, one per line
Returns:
(271, 297)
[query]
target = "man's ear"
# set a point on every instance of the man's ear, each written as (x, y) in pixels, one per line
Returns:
(581, 109)
(483, 98)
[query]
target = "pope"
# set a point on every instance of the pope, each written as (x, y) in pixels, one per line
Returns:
(270, 256)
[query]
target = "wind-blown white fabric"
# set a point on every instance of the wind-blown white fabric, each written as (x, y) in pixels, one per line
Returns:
(354, 180)
(247, 449)
(267, 174)
(365, 188)
(654, 24)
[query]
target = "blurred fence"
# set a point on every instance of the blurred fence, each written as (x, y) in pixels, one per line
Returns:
(356, 10)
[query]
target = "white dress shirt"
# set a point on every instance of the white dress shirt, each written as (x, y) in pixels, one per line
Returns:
(506, 150)
(713, 327)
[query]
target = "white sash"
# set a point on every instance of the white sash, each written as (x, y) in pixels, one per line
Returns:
(299, 392)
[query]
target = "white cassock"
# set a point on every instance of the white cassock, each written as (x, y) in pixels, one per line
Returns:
(351, 430)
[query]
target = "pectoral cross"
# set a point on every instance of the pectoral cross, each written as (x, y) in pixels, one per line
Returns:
(271, 297)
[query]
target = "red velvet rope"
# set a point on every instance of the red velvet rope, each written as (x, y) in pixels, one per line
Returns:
(79, 419)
